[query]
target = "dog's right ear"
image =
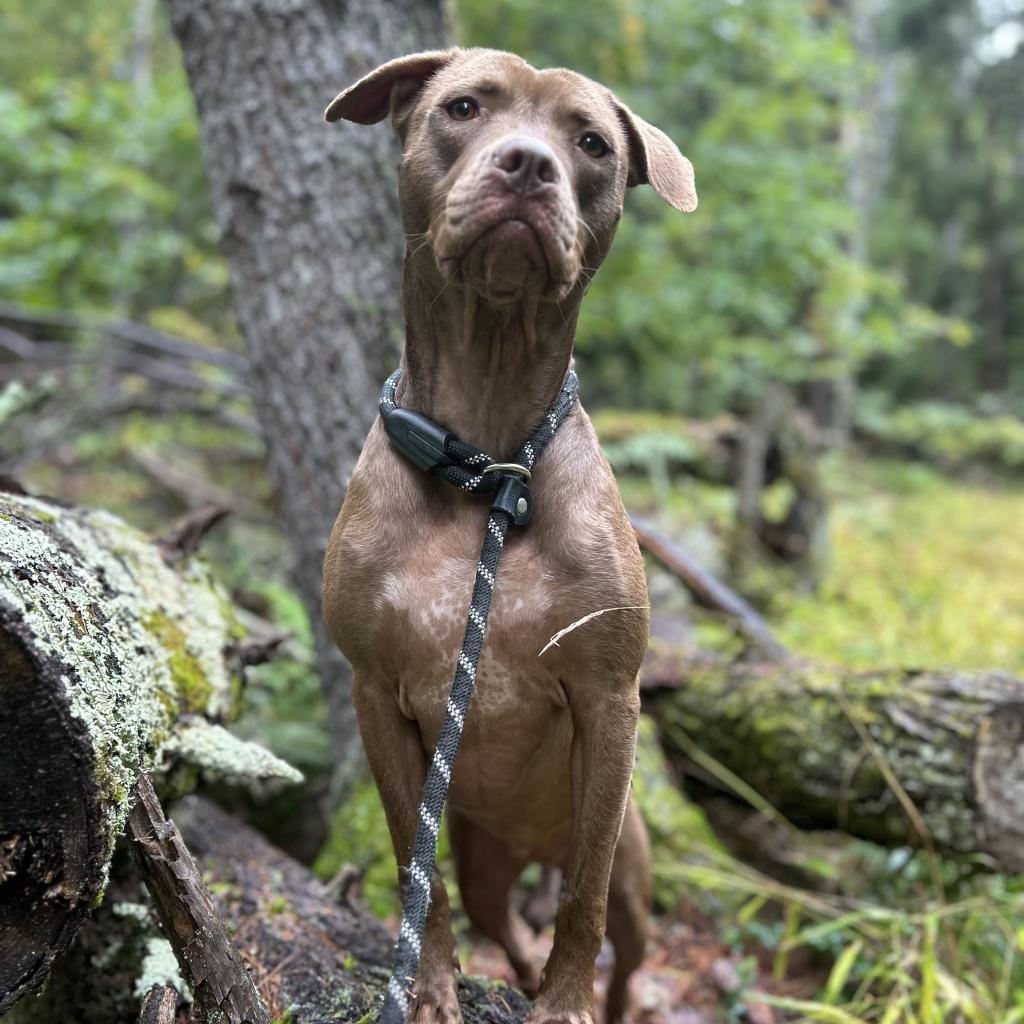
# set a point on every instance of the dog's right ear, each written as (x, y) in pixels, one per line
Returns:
(382, 91)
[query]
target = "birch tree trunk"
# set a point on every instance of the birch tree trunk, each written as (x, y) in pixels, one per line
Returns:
(310, 228)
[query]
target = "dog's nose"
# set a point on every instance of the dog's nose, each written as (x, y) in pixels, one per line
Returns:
(527, 163)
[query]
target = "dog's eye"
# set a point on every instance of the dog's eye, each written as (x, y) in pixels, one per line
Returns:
(463, 109)
(593, 145)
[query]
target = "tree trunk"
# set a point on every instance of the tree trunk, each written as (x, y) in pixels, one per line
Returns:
(109, 660)
(825, 746)
(311, 230)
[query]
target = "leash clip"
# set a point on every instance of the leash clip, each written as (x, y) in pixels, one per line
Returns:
(513, 495)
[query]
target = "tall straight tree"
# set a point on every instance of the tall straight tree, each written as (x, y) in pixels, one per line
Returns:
(310, 229)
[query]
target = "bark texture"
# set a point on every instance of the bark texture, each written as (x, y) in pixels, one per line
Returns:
(222, 990)
(314, 959)
(311, 230)
(109, 659)
(812, 741)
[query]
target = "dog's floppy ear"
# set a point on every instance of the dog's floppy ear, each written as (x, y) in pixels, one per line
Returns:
(370, 99)
(655, 160)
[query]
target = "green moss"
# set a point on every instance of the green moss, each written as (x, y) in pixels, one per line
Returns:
(279, 905)
(922, 571)
(192, 686)
(359, 835)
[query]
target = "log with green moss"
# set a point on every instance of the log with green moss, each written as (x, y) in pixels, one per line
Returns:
(111, 659)
(924, 758)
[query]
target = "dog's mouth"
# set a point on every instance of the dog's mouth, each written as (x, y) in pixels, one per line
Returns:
(507, 252)
(506, 257)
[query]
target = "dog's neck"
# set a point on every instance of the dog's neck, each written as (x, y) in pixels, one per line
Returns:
(486, 372)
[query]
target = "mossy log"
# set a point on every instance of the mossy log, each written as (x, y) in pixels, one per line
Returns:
(898, 757)
(109, 659)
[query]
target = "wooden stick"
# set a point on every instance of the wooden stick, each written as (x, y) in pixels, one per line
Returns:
(160, 1006)
(183, 537)
(209, 962)
(708, 591)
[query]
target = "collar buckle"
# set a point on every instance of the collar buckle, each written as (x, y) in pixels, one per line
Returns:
(513, 497)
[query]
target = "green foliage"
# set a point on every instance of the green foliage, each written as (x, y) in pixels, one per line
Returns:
(949, 214)
(105, 203)
(953, 436)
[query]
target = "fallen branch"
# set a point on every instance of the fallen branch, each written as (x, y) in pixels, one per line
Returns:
(46, 322)
(215, 972)
(708, 591)
(160, 1006)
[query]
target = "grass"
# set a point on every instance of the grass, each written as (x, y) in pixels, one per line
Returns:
(925, 571)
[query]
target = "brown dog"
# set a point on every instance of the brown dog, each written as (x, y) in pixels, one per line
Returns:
(512, 183)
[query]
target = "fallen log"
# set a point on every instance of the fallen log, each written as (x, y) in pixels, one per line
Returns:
(313, 958)
(313, 955)
(109, 659)
(900, 757)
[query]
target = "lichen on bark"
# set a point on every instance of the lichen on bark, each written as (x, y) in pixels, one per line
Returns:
(106, 653)
(131, 642)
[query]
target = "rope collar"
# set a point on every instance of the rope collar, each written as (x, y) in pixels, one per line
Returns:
(436, 450)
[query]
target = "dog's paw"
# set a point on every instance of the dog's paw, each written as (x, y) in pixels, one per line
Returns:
(435, 1004)
(551, 1013)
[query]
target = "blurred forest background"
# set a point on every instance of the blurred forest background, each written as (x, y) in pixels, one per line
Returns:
(815, 383)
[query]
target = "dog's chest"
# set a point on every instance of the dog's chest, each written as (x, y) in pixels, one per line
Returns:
(421, 611)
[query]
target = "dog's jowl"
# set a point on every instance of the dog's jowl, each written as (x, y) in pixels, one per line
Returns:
(511, 185)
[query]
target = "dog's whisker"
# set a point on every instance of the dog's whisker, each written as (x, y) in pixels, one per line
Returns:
(582, 223)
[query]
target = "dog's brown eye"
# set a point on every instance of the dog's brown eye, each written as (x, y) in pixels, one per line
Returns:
(463, 109)
(593, 145)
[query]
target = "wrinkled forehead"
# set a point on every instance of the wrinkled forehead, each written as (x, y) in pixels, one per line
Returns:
(555, 93)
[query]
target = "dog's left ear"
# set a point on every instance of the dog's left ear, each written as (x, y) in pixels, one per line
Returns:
(380, 92)
(655, 160)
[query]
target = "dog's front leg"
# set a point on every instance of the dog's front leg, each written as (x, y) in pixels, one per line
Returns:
(603, 747)
(399, 765)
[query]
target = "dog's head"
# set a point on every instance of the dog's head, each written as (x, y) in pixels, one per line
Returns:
(512, 179)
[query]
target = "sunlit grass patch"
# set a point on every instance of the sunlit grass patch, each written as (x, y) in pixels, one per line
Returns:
(925, 571)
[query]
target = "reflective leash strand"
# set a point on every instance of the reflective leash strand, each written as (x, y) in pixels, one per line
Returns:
(463, 465)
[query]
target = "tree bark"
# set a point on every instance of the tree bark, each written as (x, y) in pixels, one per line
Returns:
(824, 746)
(311, 230)
(222, 990)
(311, 955)
(110, 660)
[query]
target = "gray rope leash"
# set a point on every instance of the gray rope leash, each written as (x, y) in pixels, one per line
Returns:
(467, 467)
